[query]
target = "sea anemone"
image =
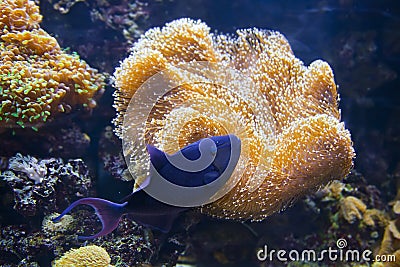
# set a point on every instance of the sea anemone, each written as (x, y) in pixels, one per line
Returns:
(181, 83)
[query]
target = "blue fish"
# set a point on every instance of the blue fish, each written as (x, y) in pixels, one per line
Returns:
(149, 211)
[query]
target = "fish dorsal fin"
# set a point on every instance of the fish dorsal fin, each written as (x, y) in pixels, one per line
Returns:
(157, 157)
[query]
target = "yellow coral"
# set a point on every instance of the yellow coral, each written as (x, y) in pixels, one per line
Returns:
(88, 256)
(286, 114)
(18, 15)
(37, 79)
(35, 42)
(374, 217)
(352, 208)
(390, 244)
(334, 189)
(396, 207)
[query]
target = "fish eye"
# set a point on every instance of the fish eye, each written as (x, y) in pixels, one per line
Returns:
(219, 143)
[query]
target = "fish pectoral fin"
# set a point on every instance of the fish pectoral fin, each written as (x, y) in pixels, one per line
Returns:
(157, 157)
(162, 222)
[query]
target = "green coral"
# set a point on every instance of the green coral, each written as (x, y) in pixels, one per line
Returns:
(38, 79)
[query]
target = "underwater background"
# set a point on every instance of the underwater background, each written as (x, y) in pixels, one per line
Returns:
(77, 155)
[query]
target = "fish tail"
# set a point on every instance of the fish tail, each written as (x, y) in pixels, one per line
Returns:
(109, 213)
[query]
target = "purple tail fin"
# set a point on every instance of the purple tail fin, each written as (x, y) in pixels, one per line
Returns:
(109, 213)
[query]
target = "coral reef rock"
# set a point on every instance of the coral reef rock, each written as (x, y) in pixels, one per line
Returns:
(45, 185)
